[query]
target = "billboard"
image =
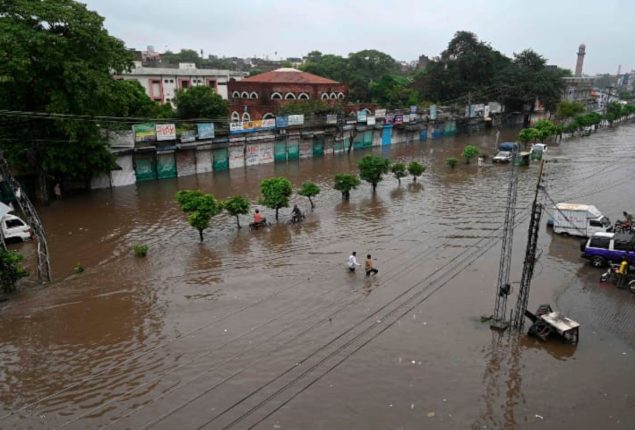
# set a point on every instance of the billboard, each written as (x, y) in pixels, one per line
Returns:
(413, 109)
(370, 120)
(390, 117)
(295, 120)
(144, 133)
(205, 130)
(165, 132)
(433, 112)
(187, 136)
(398, 119)
(361, 116)
(380, 113)
(331, 118)
(251, 126)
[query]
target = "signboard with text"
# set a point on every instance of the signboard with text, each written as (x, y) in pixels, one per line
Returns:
(331, 119)
(144, 133)
(251, 126)
(380, 113)
(370, 120)
(165, 132)
(361, 116)
(205, 130)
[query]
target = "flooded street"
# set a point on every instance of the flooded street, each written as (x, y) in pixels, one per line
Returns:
(267, 329)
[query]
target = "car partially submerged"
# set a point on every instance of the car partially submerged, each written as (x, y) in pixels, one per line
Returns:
(539, 147)
(14, 228)
(502, 157)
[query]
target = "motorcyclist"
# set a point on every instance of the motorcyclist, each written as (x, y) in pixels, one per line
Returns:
(628, 219)
(296, 214)
(258, 218)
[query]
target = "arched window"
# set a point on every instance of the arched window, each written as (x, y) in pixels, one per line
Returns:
(253, 95)
(367, 111)
(325, 96)
(268, 115)
(246, 116)
(340, 96)
(276, 96)
(289, 96)
(333, 96)
(236, 95)
(244, 95)
(235, 116)
(303, 96)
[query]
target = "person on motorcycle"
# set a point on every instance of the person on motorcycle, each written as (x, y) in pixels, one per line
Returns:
(296, 214)
(628, 219)
(258, 219)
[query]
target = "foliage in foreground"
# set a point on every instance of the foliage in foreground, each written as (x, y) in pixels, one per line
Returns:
(309, 190)
(344, 183)
(372, 169)
(199, 207)
(275, 193)
(11, 270)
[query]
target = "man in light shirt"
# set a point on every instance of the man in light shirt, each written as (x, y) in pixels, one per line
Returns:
(352, 262)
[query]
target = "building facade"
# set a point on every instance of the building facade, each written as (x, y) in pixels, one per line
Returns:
(260, 96)
(162, 83)
(579, 89)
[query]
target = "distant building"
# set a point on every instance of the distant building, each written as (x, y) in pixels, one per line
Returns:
(162, 83)
(422, 63)
(579, 89)
(260, 96)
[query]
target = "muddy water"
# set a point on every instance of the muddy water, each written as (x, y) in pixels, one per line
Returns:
(267, 329)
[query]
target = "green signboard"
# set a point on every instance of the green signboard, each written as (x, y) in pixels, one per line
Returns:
(145, 168)
(280, 151)
(166, 166)
(220, 159)
(144, 133)
(358, 143)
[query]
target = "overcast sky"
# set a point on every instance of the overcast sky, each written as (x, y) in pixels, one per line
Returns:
(404, 29)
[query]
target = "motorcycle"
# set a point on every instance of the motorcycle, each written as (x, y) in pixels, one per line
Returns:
(296, 218)
(623, 226)
(257, 225)
(610, 274)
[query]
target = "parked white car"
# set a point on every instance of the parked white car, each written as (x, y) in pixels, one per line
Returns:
(502, 157)
(14, 228)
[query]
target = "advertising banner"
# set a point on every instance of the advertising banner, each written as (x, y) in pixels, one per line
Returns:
(433, 112)
(282, 122)
(406, 117)
(205, 130)
(390, 117)
(187, 136)
(331, 119)
(413, 117)
(361, 116)
(413, 109)
(144, 133)
(380, 113)
(295, 120)
(486, 111)
(398, 119)
(251, 126)
(370, 120)
(165, 132)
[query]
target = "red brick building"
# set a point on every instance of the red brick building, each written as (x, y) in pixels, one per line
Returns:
(260, 96)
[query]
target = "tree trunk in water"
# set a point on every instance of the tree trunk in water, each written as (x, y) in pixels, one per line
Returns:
(374, 188)
(414, 179)
(276, 214)
(345, 195)
(399, 180)
(237, 221)
(311, 201)
(200, 233)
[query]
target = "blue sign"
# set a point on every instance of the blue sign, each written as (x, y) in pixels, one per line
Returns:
(205, 130)
(282, 122)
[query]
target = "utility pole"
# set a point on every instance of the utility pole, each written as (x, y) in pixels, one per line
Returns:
(518, 318)
(503, 287)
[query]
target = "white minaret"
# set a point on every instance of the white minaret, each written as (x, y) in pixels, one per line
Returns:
(580, 62)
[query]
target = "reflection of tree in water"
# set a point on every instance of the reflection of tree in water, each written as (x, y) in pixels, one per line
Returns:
(82, 344)
(204, 265)
(278, 238)
(372, 208)
(415, 187)
(397, 193)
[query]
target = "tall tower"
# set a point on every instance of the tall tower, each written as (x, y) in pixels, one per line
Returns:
(580, 62)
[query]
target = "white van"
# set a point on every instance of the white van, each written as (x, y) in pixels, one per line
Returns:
(579, 220)
(14, 228)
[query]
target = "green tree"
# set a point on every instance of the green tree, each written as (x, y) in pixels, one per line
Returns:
(199, 208)
(416, 169)
(527, 135)
(56, 57)
(372, 169)
(451, 162)
(309, 190)
(469, 152)
(393, 91)
(184, 56)
(544, 129)
(566, 109)
(275, 193)
(10, 270)
(200, 102)
(399, 171)
(236, 206)
(344, 183)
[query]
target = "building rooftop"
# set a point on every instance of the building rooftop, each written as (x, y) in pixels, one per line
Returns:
(287, 75)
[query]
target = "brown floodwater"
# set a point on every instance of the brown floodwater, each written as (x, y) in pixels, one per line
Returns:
(268, 329)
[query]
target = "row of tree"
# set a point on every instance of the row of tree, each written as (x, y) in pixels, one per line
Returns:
(201, 207)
